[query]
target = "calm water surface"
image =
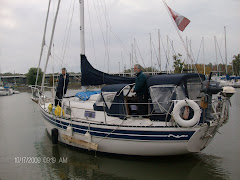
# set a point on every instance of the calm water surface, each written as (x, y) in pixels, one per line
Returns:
(23, 134)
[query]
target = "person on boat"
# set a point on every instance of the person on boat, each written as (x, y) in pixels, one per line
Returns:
(61, 87)
(141, 90)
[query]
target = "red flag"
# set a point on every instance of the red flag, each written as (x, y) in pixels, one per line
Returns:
(180, 20)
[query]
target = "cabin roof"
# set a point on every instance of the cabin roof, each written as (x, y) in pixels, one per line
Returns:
(113, 88)
(175, 79)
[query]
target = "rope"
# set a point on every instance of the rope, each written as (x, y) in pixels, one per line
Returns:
(110, 132)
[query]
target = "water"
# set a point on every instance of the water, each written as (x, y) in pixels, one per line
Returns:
(23, 134)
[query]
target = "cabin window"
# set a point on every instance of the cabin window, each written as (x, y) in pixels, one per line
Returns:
(194, 86)
(162, 97)
(108, 98)
(180, 92)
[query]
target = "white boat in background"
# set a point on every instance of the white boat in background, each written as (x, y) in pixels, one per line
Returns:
(185, 112)
(228, 81)
(16, 92)
(6, 91)
(3, 91)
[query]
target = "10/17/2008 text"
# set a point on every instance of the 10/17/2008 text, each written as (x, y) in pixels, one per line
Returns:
(36, 160)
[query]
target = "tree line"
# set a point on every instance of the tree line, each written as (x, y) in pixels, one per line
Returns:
(233, 68)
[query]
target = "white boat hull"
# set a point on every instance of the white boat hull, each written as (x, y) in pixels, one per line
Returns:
(3, 93)
(163, 141)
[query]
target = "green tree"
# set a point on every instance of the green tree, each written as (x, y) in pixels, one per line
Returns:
(178, 64)
(31, 76)
(51, 80)
(146, 69)
(7, 74)
(236, 64)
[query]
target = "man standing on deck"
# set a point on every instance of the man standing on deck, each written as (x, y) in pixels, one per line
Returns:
(62, 87)
(141, 90)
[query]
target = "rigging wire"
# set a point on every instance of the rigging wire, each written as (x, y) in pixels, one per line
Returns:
(140, 54)
(101, 28)
(43, 41)
(164, 50)
(59, 60)
(191, 58)
(156, 54)
(90, 22)
(219, 51)
(108, 24)
(108, 35)
(199, 51)
(68, 31)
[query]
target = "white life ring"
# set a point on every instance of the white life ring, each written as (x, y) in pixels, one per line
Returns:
(194, 106)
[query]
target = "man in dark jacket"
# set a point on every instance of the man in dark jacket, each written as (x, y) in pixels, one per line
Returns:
(141, 90)
(62, 87)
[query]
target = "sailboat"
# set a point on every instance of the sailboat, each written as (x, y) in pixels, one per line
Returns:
(106, 122)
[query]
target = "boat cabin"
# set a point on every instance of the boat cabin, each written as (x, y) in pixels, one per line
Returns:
(164, 90)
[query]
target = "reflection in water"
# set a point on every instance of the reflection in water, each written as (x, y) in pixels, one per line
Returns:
(86, 165)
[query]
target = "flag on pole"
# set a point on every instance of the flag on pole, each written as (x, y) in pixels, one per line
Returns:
(180, 20)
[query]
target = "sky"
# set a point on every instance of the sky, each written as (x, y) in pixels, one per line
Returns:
(110, 29)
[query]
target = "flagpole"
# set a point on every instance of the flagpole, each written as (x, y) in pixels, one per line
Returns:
(180, 36)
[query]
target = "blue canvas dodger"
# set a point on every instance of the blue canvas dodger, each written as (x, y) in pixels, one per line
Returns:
(84, 96)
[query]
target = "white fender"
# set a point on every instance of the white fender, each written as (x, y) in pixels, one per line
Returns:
(88, 137)
(183, 122)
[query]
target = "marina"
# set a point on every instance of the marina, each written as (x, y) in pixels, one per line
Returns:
(168, 114)
(119, 90)
(23, 134)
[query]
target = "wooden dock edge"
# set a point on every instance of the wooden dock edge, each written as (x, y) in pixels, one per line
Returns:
(80, 142)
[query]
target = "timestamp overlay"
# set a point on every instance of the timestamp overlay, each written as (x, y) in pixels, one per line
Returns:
(37, 160)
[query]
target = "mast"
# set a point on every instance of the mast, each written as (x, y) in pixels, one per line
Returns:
(159, 45)
(168, 54)
(82, 32)
(190, 47)
(203, 58)
(119, 68)
(43, 42)
(151, 51)
(131, 60)
(225, 48)
(215, 42)
(187, 53)
(135, 52)
(122, 62)
(50, 45)
(130, 55)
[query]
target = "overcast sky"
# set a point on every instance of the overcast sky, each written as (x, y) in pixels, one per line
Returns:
(22, 24)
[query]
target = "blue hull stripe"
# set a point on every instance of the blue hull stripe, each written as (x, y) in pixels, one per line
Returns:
(124, 134)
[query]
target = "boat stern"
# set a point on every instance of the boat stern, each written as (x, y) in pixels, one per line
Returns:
(201, 138)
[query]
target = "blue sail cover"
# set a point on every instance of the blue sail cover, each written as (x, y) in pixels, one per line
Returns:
(92, 76)
(84, 96)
